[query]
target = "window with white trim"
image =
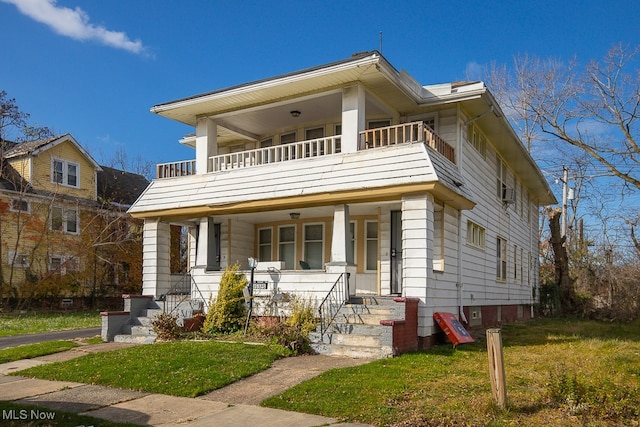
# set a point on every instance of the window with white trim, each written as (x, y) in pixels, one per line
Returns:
(65, 172)
(287, 246)
(371, 242)
(475, 235)
(65, 220)
(265, 240)
(17, 259)
(477, 140)
(351, 256)
(313, 245)
(501, 178)
(20, 205)
(501, 259)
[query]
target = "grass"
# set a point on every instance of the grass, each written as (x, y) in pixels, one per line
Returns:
(186, 369)
(18, 324)
(560, 373)
(16, 415)
(30, 351)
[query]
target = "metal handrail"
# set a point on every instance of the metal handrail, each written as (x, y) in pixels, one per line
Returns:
(186, 289)
(333, 302)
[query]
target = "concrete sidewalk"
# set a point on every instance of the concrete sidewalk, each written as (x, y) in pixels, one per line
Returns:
(231, 406)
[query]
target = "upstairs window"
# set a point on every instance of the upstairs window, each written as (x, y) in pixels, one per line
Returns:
(477, 140)
(475, 235)
(501, 179)
(18, 259)
(65, 220)
(65, 172)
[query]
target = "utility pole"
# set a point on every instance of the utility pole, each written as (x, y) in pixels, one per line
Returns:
(565, 178)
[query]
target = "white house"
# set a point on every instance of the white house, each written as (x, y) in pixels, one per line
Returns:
(353, 173)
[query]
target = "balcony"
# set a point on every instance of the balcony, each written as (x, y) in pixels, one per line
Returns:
(414, 132)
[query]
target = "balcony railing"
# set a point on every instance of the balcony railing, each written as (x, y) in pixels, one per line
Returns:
(406, 132)
(415, 132)
(275, 154)
(170, 170)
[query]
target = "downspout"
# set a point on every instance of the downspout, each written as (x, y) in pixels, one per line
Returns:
(460, 255)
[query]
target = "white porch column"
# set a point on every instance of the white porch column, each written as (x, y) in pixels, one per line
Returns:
(341, 246)
(353, 117)
(206, 143)
(417, 254)
(155, 257)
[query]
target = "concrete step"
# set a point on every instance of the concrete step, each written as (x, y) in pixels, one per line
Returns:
(357, 352)
(135, 339)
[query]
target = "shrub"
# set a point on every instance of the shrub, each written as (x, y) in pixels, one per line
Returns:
(166, 327)
(302, 315)
(227, 312)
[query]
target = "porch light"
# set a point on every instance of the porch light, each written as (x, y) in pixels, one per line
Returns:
(294, 215)
(295, 113)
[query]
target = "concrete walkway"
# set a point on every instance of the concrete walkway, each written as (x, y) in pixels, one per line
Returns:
(234, 405)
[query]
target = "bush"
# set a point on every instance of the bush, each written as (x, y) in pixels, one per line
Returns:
(293, 332)
(166, 327)
(227, 312)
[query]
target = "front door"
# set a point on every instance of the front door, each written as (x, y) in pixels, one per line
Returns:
(396, 252)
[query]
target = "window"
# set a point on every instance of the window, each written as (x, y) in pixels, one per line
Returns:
(338, 132)
(501, 259)
(288, 138)
(375, 124)
(501, 174)
(475, 235)
(19, 205)
(266, 143)
(477, 140)
(313, 247)
(264, 244)
(65, 220)
(287, 246)
(314, 149)
(55, 263)
(371, 242)
(17, 259)
(351, 255)
(65, 172)
(438, 237)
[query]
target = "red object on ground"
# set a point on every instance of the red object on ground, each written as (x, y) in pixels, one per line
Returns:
(454, 330)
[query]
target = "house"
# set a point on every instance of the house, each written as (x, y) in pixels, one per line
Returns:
(352, 182)
(64, 231)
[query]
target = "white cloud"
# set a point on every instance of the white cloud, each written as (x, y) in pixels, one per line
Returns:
(75, 23)
(474, 71)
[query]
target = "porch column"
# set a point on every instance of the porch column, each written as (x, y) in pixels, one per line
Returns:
(206, 143)
(353, 117)
(207, 256)
(417, 256)
(155, 257)
(341, 246)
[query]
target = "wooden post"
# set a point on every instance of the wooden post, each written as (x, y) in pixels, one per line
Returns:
(496, 367)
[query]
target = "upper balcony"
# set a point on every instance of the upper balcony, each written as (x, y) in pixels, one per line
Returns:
(414, 132)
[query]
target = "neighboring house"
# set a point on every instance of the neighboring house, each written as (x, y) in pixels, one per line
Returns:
(63, 227)
(353, 173)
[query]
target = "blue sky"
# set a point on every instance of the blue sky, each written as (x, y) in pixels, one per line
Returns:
(95, 68)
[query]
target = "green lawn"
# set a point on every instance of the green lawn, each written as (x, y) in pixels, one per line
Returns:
(33, 322)
(30, 351)
(560, 373)
(177, 368)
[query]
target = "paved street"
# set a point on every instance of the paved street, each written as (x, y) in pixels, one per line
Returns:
(6, 342)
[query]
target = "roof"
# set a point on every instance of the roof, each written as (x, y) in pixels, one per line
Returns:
(120, 187)
(10, 179)
(37, 146)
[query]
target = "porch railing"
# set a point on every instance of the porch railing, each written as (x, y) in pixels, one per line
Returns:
(170, 170)
(277, 153)
(406, 132)
(184, 295)
(333, 302)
